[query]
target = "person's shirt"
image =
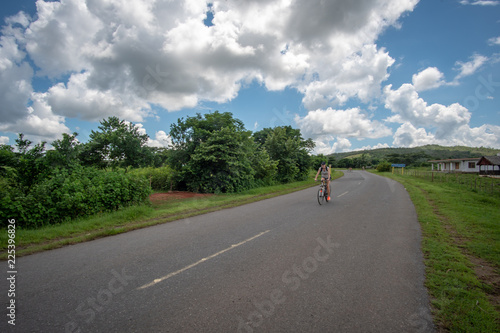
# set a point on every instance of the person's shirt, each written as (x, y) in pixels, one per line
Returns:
(324, 173)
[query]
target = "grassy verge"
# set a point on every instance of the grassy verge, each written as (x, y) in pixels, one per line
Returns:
(131, 218)
(461, 245)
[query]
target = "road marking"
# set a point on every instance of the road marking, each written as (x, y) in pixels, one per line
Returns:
(338, 196)
(168, 276)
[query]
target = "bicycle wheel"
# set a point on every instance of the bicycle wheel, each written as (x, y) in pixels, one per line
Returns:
(321, 197)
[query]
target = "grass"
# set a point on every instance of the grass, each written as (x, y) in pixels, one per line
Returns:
(461, 246)
(29, 241)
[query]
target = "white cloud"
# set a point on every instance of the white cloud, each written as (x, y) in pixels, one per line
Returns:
(409, 136)
(77, 99)
(480, 2)
(434, 124)
(40, 123)
(429, 78)
(4, 140)
(122, 56)
(58, 40)
(484, 136)
(377, 146)
(161, 140)
(494, 41)
(470, 67)
(323, 145)
(358, 75)
(409, 107)
(343, 123)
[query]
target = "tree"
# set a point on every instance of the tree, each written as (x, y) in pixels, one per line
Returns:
(30, 164)
(286, 146)
(66, 152)
(212, 153)
(117, 143)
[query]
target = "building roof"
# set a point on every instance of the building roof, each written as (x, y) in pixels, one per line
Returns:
(489, 160)
(471, 159)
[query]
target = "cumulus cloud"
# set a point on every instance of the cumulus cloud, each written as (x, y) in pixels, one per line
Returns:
(4, 140)
(494, 41)
(120, 57)
(324, 147)
(344, 123)
(40, 121)
(161, 140)
(409, 107)
(359, 75)
(429, 78)
(325, 126)
(434, 124)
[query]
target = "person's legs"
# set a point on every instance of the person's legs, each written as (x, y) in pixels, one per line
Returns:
(328, 188)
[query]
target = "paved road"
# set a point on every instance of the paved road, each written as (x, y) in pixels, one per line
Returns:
(280, 265)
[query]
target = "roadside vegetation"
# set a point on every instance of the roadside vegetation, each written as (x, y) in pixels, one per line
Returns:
(461, 246)
(79, 230)
(77, 191)
(116, 169)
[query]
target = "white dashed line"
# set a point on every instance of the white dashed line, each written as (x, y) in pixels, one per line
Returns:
(168, 276)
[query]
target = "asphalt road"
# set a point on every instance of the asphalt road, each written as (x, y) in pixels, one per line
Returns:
(280, 265)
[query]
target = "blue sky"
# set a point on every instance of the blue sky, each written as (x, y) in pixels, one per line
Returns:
(349, 74)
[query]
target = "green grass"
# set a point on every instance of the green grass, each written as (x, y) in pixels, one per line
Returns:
(458, 225)
(50, 237)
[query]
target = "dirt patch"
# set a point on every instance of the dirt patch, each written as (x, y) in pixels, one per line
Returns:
(174, 195)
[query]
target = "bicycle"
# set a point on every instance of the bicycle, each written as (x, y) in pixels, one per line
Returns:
(322, 192)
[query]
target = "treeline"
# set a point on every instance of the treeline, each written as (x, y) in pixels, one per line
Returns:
(367, 160)
(416, 156)
(211, 153)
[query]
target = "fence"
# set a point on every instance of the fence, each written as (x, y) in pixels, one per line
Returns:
(471, 181)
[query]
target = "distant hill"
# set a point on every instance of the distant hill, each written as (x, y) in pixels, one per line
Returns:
(415, 155)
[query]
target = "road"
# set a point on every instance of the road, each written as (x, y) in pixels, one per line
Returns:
(284, 264)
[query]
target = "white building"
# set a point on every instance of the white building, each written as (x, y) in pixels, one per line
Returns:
(456, 165)
(470, 165)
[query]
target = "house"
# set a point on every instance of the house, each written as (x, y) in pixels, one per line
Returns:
(456, 165)
(483, 165)
(489, 165)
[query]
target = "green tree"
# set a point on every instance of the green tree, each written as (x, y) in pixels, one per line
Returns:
(286, 146)
(30, 161)
(8, 161)
(212, 153)
(117, 143)
(65, 153)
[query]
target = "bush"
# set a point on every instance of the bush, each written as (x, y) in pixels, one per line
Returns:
(64, 196)
(160, 179)
(384, 167)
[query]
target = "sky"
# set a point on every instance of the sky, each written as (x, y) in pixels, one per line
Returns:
(351, 75)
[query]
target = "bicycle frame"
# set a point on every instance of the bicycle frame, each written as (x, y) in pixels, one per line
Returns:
(322, 192)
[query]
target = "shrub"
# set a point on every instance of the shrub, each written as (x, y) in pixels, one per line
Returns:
(161, 179)
(64, 196)
(384, 167)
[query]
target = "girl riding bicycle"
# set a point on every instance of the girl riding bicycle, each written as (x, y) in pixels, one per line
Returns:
(325, 175)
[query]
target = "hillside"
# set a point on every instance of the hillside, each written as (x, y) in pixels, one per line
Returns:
(415, 155)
